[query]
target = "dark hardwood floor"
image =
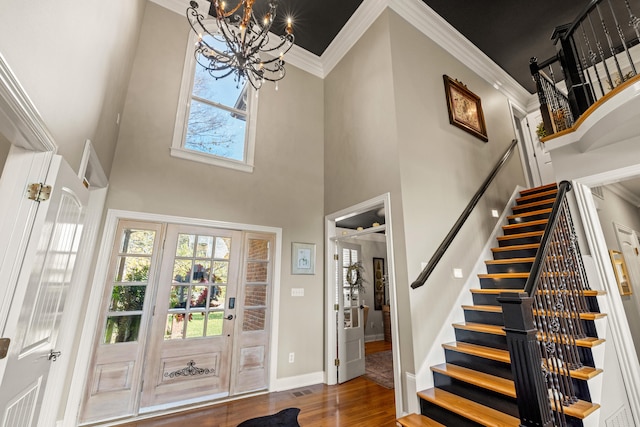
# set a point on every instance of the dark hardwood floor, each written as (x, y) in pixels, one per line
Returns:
(356, 403)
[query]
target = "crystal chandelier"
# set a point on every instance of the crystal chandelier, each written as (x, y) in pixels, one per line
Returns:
(237, 39)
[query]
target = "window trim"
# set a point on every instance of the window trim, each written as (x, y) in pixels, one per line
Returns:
(182, 114)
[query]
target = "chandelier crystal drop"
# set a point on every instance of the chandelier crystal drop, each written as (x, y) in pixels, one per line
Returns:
(234, 40)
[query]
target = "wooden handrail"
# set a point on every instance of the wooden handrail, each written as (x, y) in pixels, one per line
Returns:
(536, 269)
(424, 275)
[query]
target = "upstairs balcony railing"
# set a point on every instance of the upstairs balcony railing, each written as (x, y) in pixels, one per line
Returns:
(597, 52)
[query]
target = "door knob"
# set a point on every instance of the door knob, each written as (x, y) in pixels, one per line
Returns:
(53, 355)
(230, 317)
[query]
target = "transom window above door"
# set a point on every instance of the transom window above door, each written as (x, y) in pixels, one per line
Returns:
(215, 123)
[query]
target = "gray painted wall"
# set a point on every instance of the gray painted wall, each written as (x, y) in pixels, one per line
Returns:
(615, 209)
(4, 151)
(285, 190)
(74, 62)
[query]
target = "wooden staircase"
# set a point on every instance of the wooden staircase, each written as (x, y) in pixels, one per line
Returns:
(475, 385)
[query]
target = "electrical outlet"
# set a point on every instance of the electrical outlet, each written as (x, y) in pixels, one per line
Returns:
(291, 357)
(297, 292)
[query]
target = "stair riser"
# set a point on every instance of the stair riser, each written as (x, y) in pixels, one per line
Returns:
(480, 395)
(524, 229)
(490, 299)
(509, 283)
(486, 317)
(520, 220)
(480, 364)
(517, 253)
(480, 338)
(552, 196)
(444, 416)
(519, 241)
(524, 208)
(521, 267)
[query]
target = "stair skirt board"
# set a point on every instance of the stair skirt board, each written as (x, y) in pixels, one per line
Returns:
(475, 384)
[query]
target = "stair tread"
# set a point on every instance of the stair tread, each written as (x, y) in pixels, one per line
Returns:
(516, 247)
(532, 213)
(524, 224)
(510, 260)
(498, 309)
(418, 420)
(480, 379)
(538, 189)
(499, 330)
(521, 235)
(583, 373)
(469, 409)
(551, 193)
(580, 409)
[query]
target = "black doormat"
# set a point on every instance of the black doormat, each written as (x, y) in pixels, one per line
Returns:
(379, 368)
(285, 418)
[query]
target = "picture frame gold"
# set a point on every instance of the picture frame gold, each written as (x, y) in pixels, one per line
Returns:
(465, 108)
(620, 270)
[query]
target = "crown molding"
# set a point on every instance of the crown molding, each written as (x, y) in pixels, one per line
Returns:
(627, 195)
(424, 19)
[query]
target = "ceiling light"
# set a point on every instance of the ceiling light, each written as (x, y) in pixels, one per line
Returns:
(233, 40)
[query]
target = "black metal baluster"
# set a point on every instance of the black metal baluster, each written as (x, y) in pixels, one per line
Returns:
(624, 42)
(600, 52)
(592, 58)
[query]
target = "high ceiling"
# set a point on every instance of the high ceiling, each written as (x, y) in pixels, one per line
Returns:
(509, 32)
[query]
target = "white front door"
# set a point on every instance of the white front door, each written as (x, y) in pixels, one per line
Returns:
(628, 242)
(39, 298)
(542, 159)
(351, 362)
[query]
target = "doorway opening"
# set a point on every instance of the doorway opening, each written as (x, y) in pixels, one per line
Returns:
(360, 234)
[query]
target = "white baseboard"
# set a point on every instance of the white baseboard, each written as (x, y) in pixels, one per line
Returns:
(371, 338)
(413, 404)
(298, 381)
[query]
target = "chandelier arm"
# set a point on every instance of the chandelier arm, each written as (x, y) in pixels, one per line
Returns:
(221, 12)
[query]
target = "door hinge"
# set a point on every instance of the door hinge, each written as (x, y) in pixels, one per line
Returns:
(336, 362)
(336, 307)
(335, 256)
(38, 192)
(4, 347)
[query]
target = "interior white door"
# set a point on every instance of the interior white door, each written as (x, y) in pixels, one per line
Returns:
(628, 242)
(350, 326)
(541, 155)
(39, 299)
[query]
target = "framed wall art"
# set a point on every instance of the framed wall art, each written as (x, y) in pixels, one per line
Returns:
(465, 108)
(303, 258)
(379, 297)
(620, 270)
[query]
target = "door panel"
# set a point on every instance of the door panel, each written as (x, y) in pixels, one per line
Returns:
(45, 277)
(191, 338)
(350, 317)
(628, 242)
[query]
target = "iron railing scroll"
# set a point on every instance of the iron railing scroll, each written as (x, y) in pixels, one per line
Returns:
(543, 322)
(598, 52)
(431, 265)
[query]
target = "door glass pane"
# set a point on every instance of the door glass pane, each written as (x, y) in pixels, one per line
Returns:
(218, 296)
(214, 324)
(254, 319)
(258, 249)
(182, 270)
(178, 297)
(201, 271)
(137, 241)
(132, 269)
(204, 247)
(122, 329)
(255, 295)
(175, 327)
(223, 248)
(220, 271)
(256, 272)
(354, 317)
(199, 296)
(195, 325)
(127, 298)
(185, 245)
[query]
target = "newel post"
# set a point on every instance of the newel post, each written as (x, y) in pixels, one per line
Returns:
(526, 360)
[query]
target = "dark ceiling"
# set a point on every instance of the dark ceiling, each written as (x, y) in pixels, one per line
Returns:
(507, 31)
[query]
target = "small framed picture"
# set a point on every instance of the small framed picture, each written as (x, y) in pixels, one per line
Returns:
(303, 258)
(465, 108)
(622, 275)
